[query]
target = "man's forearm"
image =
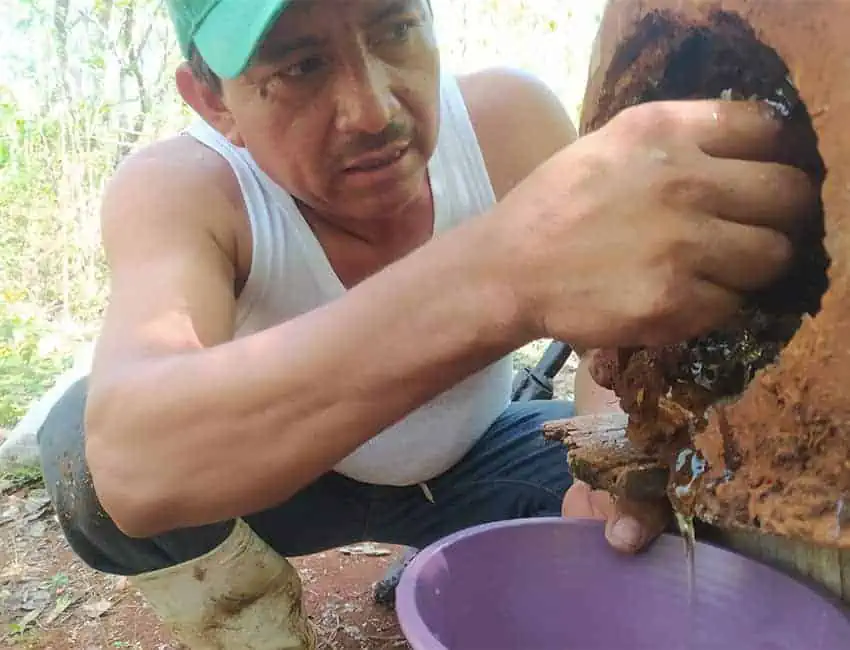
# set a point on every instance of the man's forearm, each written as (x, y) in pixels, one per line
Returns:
(221, 432)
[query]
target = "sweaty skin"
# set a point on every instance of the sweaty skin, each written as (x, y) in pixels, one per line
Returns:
(186, 426)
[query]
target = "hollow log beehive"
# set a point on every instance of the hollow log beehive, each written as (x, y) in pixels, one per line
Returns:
(751, 423)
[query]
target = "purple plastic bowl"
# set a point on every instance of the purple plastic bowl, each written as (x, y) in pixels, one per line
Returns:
(555, 584)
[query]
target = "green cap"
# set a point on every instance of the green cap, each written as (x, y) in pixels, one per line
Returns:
(226, 33)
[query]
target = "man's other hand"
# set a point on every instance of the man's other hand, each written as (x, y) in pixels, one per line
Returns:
(629, 526)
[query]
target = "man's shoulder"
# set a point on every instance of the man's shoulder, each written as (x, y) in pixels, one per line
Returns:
(178, 161)
(174, 187)
(489, 83)
(519, 121)
(177, 174)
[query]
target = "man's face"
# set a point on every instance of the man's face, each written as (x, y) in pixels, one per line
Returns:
(340, 106)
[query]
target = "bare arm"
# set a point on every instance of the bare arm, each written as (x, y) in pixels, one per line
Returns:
(186, 426)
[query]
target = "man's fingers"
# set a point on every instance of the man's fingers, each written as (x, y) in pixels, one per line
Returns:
(759, 194)
(604, 367)
(629, 525)
(743, 130)
(717, 304)
(581, 501)
(634, 525)
(741, 258)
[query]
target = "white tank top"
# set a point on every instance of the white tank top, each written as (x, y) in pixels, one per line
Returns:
(290, 275)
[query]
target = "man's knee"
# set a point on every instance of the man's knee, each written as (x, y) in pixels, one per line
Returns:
(90, 532)
(525, 450)
(61, 442)
(184, 575)
(515, 446)
(553, 409)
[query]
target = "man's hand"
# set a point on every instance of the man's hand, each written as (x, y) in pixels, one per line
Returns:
(629, 526)
(651, 230)
(604, 366)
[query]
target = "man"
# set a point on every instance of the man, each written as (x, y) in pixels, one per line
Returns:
(316, 290)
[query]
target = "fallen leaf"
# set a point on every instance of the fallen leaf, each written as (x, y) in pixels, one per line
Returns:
(36, 505)
(37, 529)
(63, 602)
(427, 491)
(97, 608)
(353, 631)
(31, 597)
(28, 619)
(368, 549)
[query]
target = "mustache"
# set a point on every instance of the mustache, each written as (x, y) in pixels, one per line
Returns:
(363, 143)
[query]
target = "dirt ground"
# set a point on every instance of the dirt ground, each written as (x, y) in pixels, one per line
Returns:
(50, 601)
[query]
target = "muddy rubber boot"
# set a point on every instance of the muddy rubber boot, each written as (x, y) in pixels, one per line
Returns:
(241, 595)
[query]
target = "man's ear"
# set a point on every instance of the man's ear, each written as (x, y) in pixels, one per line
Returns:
(208, 103)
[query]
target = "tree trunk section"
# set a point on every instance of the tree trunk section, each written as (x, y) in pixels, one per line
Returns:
(773, 477)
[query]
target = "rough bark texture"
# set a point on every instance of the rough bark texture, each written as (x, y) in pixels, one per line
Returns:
(601, 455)
(752, 420)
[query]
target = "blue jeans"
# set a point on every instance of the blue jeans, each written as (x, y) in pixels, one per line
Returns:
(512, 472)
